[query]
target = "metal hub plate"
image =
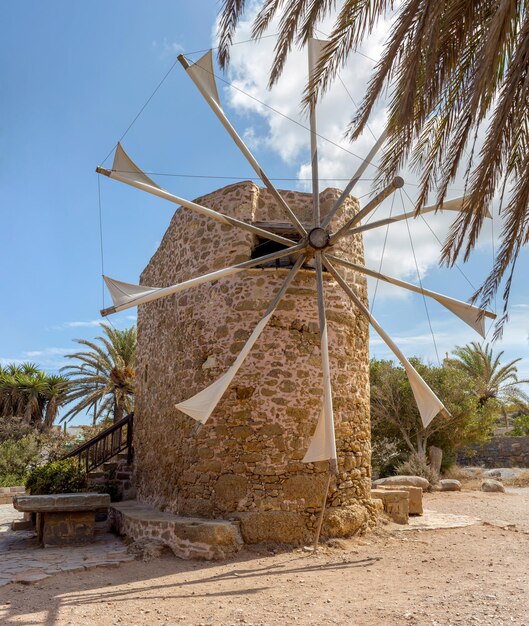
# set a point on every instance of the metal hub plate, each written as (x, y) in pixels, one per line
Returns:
(318, 238)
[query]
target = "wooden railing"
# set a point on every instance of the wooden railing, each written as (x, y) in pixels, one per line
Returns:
(101, 448)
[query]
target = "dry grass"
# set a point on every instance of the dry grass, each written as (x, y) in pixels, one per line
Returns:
(520, 481)
(471, 478)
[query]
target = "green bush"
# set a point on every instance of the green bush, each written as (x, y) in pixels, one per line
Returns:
(56, 477)
(12, 480)
(520, 426)
(17, 457)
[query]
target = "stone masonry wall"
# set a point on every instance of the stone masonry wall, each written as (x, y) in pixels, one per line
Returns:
(498, 452)
(245, 462)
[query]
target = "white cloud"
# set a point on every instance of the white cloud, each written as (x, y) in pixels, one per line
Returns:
(83, 324)
(47, 351)
(114, 321)
(167, 48)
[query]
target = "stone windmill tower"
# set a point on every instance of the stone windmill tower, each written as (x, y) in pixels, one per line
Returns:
(252, 393)
(246, 461)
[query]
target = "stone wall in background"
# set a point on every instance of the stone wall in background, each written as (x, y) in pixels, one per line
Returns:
(498, 452)
(245, 462)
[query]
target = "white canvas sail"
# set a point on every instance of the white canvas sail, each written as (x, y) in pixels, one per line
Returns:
(202, 74)
(124, 167)
(322, 445)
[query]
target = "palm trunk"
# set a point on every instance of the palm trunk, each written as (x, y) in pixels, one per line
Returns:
(118, 409)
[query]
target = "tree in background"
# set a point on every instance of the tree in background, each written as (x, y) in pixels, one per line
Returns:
(452, 68)
(29, 393)
(490, 378)
(102, 379)
(395, 417)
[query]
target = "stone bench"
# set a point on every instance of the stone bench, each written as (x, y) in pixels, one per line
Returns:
(63, 519)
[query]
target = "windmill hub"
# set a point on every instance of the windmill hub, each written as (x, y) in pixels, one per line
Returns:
(318, 238)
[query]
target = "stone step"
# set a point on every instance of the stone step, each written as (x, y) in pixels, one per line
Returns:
(109, 466)
(95, 475)
(187, 537)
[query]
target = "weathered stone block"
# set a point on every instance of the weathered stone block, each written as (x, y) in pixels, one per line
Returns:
(397, 481)
(414, 497)
(188, 538)
(66, 528)
(230, 491)
(396, 503)
(344, 521)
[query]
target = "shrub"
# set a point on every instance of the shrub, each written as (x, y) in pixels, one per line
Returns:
(417, 465)
(16, 459)
(520, 426)
(56, 477)
(14, 428)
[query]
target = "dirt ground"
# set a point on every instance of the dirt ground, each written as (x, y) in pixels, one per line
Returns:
(465, 576)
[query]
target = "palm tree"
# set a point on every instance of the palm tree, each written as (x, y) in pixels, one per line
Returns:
(455, 67)
(56, 392)
(102, 379)
(490, 378)
(29, 393)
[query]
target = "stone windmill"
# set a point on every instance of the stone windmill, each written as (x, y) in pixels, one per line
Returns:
(271, 448)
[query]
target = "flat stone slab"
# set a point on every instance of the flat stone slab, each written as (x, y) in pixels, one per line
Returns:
(432, 520)
(188, 537)
(61, 502)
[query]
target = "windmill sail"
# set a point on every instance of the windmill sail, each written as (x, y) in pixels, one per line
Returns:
(202, 74)
(322, 445)
(468, 313)
(124, 167)
(428, 403)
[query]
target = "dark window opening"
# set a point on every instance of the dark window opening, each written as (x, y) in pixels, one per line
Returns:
(266, 246)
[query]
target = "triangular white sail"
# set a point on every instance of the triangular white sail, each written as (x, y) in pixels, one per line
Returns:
(125, 167)
(454, 204)
(322, 445)
(428, 403)
(471, 315)
(124, 293)
(468, 313)
(315, 50)
(202, 74)
(201, 406)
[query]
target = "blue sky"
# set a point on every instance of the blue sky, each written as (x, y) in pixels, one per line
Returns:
(73, 77)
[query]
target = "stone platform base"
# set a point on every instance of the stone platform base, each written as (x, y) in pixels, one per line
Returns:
(188, 537)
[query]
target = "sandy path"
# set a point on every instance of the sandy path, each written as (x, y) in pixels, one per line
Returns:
(473, 575)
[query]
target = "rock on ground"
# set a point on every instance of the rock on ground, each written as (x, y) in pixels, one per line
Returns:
(412, 481)
(449, 484)
(491, 485)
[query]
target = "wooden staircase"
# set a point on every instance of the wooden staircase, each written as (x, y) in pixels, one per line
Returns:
(109, 443)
